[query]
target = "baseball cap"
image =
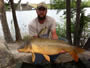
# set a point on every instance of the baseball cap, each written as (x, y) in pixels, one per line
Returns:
(41, 5)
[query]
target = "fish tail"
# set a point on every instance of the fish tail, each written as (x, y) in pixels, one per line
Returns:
(74, 55)
(33, 57)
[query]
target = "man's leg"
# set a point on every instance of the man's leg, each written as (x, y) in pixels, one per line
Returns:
(38, 58)
(53, 58)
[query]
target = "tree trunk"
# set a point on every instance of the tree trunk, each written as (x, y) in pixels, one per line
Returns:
(5, 27)
(77, 24)
(68, 21)
(17, 30)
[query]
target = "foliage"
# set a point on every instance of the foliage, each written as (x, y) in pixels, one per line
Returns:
(60, 4)
(61, 30)
(85, 4)
(84, 20)
(6, 6)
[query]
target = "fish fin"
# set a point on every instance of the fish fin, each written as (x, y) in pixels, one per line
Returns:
(79, 50)
(47, 57)
(33, 57)
(74, 55)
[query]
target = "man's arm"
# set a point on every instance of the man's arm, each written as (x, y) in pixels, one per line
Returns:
(53, 29)
(54, 35)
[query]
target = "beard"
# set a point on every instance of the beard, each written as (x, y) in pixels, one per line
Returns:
(42, 18)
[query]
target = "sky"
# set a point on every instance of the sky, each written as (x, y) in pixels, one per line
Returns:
(31, 1)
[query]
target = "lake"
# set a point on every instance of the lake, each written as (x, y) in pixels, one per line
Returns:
(24, 18)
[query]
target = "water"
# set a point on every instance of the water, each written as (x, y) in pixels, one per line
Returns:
(24, 18)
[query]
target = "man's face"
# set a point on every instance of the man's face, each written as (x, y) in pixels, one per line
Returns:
(41, 12)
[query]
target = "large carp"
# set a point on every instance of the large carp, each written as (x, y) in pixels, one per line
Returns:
(50, 47)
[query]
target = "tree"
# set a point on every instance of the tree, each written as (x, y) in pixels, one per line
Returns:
(5, 27)
(61, 4)
(77, 24)
(73, 26)
(17, 30)
(68, 21)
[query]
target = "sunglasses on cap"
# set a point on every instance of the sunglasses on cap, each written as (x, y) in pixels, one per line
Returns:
(41, 8)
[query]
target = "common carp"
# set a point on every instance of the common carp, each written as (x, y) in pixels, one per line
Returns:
(50, 47)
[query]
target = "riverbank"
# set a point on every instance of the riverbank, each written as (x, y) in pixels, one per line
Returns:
(10, 57)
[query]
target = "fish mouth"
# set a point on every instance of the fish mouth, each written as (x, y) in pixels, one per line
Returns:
(26, 49)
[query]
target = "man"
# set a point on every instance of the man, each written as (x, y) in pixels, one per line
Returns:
(42, 26)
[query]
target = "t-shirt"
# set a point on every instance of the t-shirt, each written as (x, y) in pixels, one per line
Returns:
(42, 30)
